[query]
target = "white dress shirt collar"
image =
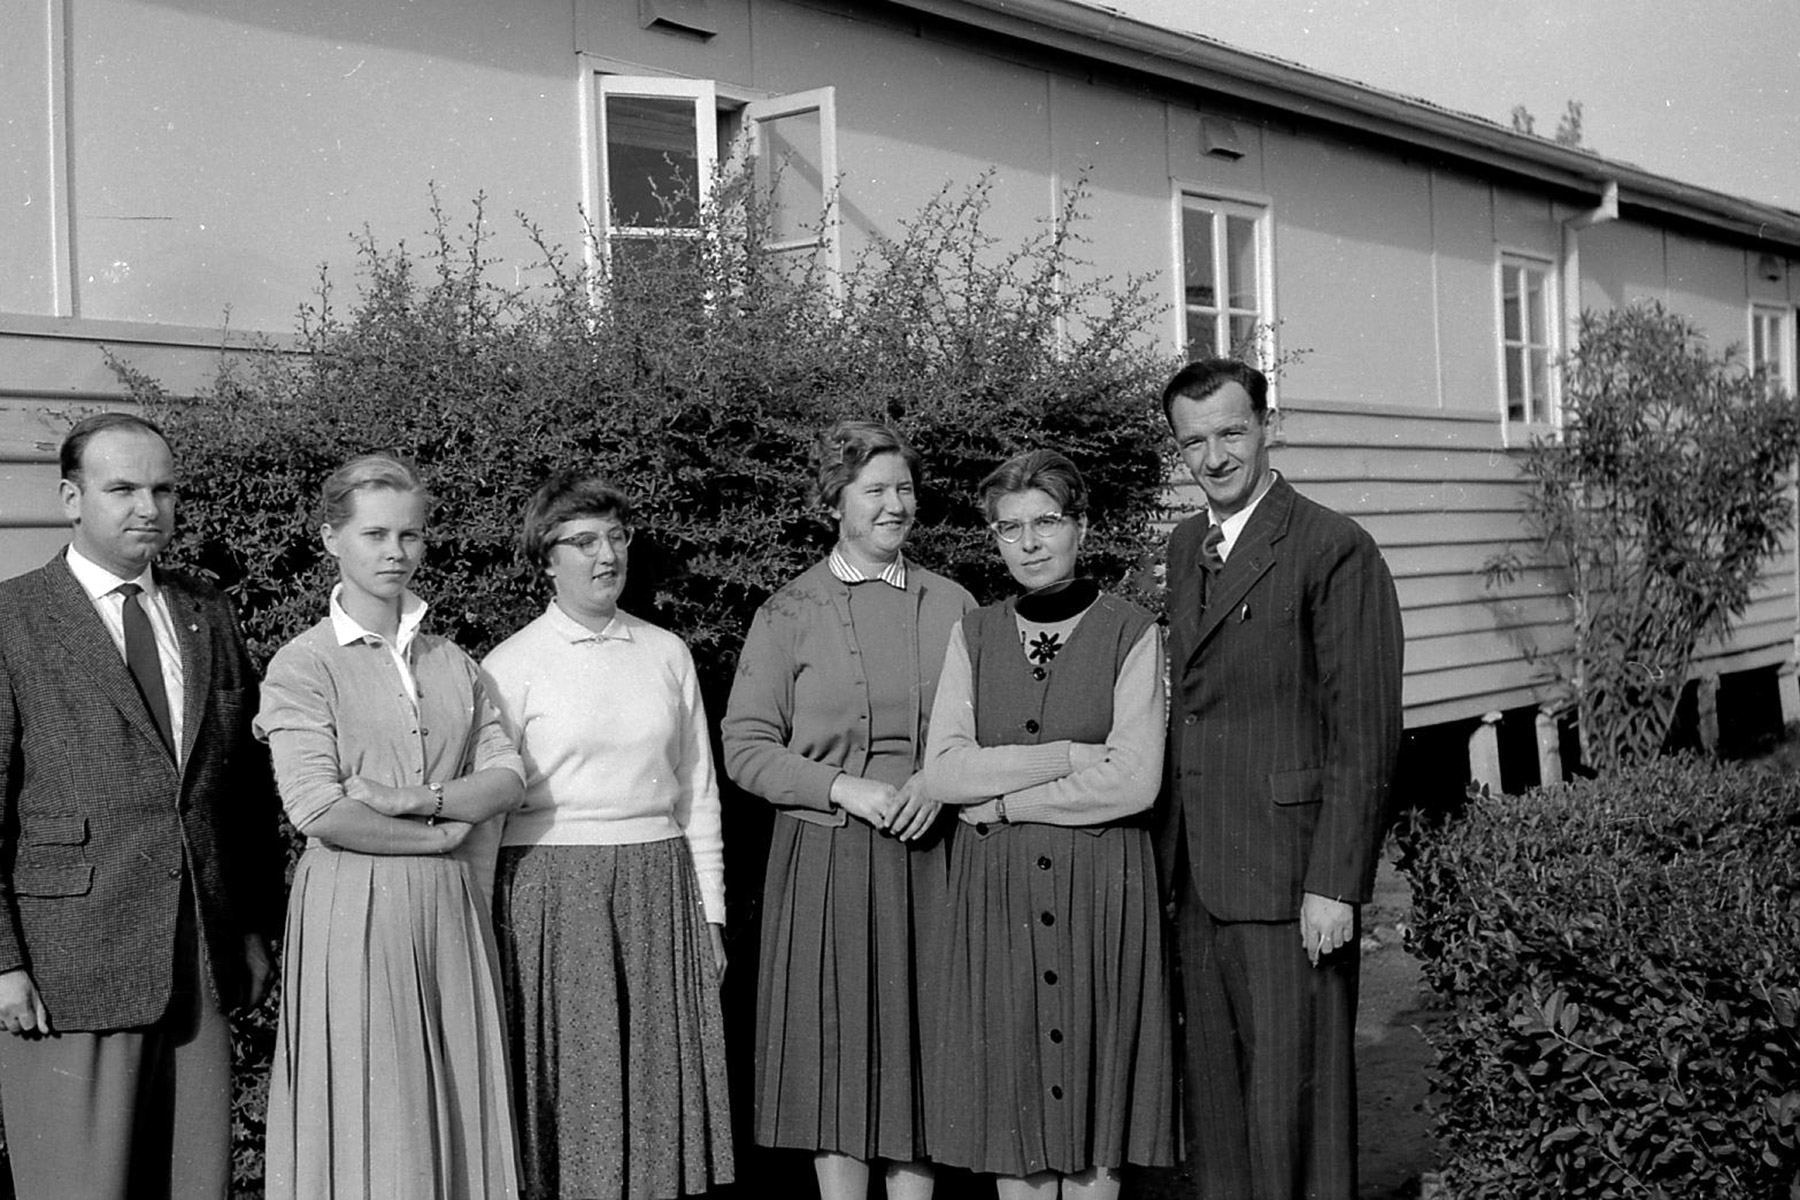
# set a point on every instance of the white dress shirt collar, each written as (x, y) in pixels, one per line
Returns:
(1233, 526)
(97, 581)
(617, 629)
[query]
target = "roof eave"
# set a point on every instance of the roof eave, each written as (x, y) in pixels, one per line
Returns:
(1192, 60)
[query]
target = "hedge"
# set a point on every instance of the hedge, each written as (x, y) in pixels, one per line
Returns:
(1621, 958)
(693, 374)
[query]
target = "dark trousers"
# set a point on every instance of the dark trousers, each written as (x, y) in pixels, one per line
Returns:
(1271, 1066)
(131, 1114)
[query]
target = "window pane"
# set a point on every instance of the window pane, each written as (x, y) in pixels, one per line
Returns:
(1536, 309)
(1540, 385)
(1202, 334)
(1243, 338)
(1512, 325)
(1515, 384)
(1240, 261)
(652, 160)
(788, 171)
(1197, 256)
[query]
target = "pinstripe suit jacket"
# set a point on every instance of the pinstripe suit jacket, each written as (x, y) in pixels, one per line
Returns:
(96, 821)
(1284, 711)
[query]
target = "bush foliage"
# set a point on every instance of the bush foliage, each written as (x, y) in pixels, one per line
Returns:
(1619, 958)
(692, 373)
(1665, 493)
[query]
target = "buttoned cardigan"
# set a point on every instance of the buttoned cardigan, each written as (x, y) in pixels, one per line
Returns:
(799, 712)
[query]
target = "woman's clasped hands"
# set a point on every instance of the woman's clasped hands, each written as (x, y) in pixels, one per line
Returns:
(905, 812)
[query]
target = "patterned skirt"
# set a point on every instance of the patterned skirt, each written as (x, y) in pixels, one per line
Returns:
(1056, 1047)
(616, 1029)
(850, 918)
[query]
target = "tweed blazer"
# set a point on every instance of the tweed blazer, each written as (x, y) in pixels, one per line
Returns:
(1284, 713)
(798, 716)
(98, 825)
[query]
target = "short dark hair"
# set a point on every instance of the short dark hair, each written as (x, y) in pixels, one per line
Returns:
(366, 473)
(1046, 471)
(566, 496)
(75, 442)
(1202, 378)
(842, 451)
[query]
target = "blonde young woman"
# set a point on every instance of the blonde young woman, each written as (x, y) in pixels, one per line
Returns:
(390, 1072)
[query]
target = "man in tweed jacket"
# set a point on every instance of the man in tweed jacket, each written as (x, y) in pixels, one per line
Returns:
(139, 868)
(1285, 655)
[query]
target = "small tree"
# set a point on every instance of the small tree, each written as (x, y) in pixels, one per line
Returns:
(1660, 501)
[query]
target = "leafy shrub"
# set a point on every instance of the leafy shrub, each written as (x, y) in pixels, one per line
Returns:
(1619, 956)
(1665, 493)
(692, 373)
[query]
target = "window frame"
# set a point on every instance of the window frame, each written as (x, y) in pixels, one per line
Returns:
(1226, 202)
(1782, 316)
(719, 108)
(1520, 431)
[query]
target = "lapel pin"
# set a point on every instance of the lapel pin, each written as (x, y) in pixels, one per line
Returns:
(1244, 613)
(192, 628)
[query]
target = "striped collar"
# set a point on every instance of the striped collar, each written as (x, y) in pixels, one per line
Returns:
(894, 574)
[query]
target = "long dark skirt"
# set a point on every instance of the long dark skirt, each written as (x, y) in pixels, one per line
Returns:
(1056, 1047)
(614, 1021)
(850, 919)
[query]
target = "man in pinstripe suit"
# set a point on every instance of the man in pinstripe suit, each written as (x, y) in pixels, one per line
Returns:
(1285, 651)
(139, 866)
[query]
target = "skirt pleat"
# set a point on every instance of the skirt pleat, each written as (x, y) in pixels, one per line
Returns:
(389, 1078)
(848, 914)
(1055, 1048)
(617, 1030)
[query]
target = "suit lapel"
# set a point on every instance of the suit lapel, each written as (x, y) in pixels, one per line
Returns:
(1251, 558)
(196, 661)
(82, 634)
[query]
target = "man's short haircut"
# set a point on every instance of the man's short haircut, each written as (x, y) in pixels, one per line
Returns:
(567, 496)
(366, 473)
(1202, 378)
(1041, 470)
(843, 450)
(74, 444)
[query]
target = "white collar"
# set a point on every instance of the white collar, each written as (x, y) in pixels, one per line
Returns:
(348, 629)
(1233, 526)
(618, 629)
(97, 581)
(894, 574)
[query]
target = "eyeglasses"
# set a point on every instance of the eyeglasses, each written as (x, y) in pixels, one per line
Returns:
(1044, 526)
(588, 542)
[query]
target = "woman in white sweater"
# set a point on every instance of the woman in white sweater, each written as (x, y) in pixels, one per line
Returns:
(610, 889)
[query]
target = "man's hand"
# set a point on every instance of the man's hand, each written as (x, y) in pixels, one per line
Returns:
(21, 1008)
(1325, 925)
(261, 968)
(915, 811)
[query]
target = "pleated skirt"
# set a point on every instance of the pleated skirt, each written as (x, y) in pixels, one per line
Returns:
(1056, 1049)
(850, 919)
(616, 1029)
(389, 1080)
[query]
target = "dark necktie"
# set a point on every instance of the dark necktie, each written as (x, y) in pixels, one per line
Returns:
(1210, 557)
(145, 663)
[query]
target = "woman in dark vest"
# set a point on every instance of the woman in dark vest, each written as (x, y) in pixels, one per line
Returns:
(1053, 1065)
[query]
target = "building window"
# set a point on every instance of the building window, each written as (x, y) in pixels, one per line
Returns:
(1527, 339)
(1772, 347)
(1225, 273)
(659, 144)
